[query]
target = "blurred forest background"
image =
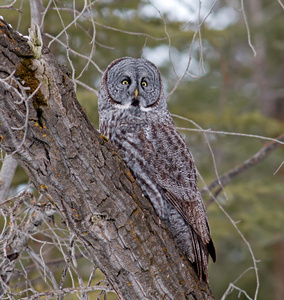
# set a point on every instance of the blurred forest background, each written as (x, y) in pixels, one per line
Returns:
(228, 76)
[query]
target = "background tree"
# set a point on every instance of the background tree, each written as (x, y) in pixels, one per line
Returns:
(226, 88)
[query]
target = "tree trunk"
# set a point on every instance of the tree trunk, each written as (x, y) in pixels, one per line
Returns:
(78, 170)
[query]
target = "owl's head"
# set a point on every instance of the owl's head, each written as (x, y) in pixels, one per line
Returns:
(130, 82)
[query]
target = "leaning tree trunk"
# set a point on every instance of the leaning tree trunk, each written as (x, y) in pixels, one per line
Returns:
(47, 131)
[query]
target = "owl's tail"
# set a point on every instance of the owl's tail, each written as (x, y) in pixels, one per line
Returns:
(196, 249)
(201, 253)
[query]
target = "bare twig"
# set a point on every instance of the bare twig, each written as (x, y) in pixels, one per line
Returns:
(282, 5)
(279, 168)
(246, 165)
(247, 27)
(66, 291)
(43, 268)
(93, 43)
(130, 32)
(197, 30)
(20, 15)
(75, 52)
(16, 235)
(168, 36)
(69, 25)
(265, 138)
(67, 40)
(232, 286)
(10, 6)
(87, 87)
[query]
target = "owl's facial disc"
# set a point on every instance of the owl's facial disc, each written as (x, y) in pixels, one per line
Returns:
(134, 83)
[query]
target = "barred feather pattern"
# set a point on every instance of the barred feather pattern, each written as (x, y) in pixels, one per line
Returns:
(143, 130)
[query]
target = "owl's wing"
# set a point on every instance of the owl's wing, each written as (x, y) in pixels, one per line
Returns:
(175, 174)
(195, 217)
(193, 211)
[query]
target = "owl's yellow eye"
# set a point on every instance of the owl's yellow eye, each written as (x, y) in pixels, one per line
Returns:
(125, 82)
(144, 83)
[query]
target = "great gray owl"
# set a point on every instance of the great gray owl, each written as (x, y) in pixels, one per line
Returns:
(134, 116)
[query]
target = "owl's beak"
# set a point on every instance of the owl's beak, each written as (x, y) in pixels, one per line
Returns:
(136, 94)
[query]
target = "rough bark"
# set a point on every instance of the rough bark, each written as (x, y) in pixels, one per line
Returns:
(78, 170)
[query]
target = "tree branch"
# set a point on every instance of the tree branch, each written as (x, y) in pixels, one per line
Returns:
(79, 171)
(254, 160)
